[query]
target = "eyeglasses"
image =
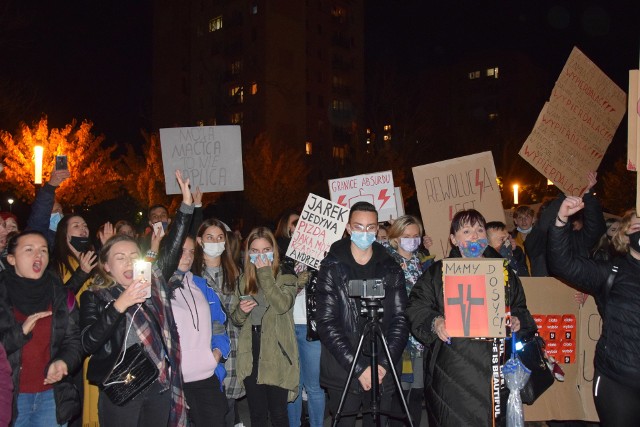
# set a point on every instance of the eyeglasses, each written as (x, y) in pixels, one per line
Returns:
(364, 228)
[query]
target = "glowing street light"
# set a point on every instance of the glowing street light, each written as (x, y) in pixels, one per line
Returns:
(10, 204)
(38, 150)
(515, 194)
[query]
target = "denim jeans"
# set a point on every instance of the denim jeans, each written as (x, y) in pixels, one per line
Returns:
(310, 379)
(37, 410)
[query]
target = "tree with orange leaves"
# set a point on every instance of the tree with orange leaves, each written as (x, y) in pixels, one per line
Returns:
(144, 176)
(93, 176)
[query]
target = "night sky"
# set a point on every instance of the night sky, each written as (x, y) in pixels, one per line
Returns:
(92, 60)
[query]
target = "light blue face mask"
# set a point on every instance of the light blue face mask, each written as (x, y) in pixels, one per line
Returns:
(362, 239)
(55, 220)
(254, 257)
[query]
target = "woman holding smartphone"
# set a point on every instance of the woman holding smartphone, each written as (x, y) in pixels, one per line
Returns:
(267, 348)
(116, 314)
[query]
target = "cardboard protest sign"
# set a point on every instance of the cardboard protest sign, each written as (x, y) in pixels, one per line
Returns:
(570, 332)
(376, 188)
(210, 156)
(474, 297)
(321, 223)
(397, 192)
(633, 120)
(576, 126)
(446, 187)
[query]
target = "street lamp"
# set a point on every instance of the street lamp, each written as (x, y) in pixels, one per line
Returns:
(10, 204)
(515, 194)
(38, 150)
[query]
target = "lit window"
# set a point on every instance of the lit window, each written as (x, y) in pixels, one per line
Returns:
(493, 116)
(474, 75)
(387, 137)
(254, 9)
(308, 148)
(368, 140)
(492, 72)
(368, 131)
(236, 67)
(237, 92)
(254, 88)
(387, 128)
(215, 24)
(236, 118)
(339, 153)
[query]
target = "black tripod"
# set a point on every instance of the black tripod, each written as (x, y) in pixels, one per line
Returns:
(372, 309)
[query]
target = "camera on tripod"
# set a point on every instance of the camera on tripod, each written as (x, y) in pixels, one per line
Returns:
(370, 288)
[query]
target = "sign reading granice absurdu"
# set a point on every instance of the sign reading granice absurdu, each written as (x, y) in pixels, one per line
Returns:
(210, 156)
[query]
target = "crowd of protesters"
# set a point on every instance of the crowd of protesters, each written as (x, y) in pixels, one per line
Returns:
(218, 318)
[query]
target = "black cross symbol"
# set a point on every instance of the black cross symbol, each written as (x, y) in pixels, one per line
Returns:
(465, 309)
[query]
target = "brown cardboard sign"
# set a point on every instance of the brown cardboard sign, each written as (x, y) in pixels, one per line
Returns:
(552, 305)
(474, 297)
(576, 126)
(446, 187)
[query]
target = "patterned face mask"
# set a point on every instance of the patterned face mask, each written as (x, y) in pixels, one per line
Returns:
(473, 248)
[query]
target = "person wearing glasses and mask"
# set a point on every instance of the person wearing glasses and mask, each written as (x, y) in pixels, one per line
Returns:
(358, 257)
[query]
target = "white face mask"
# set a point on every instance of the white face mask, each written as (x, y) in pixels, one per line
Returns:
(213, 250)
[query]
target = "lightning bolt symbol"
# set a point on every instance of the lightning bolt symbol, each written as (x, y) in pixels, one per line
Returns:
(479, 182)
(383, 196)
(341, 200)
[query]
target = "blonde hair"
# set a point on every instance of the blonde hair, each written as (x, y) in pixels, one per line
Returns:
(398, 227)
(251, 283)
(620, 240)
(103, 279)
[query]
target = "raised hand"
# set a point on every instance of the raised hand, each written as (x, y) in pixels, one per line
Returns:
(88, 261)
(57, 176)
(197, 197)
(569, 206)
(136, 293)
(106, 232)
(187, 199)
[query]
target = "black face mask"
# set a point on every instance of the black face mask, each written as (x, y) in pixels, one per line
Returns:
(634, 241)
(80, 244)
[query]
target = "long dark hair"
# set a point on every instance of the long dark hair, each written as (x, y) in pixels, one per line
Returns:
(62, 253)
(230, 270)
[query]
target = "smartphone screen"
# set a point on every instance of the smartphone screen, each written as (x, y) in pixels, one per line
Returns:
(158, 228)
(61, 162)
(248, 297)
(143, 269)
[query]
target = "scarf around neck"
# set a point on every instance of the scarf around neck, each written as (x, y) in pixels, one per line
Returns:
(29, 295)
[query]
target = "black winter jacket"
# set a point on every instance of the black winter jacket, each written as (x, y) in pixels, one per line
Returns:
(339, 321)
(103, 327)
(458, 375)
(65, 345)
(618, 348)
(582, 240)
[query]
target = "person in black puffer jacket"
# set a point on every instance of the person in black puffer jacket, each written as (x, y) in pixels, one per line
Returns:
(616, 385)
(458, 374)
(338, 316)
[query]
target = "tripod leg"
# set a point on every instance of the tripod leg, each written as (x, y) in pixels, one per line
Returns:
(337, 415)
(395, 377)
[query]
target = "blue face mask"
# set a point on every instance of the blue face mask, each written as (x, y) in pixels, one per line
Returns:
(254, 257)
(54, 221)
(473, 248)
(362, 239)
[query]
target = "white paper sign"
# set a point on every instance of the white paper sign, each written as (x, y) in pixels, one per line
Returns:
(376, 188)
(321, 223)
(210, 156)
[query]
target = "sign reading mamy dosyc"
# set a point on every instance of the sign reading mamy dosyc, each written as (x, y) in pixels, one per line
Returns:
(474, 304)
(210, 156)
(375, 188)
(321, 223)
(574, 129)
(447, 187)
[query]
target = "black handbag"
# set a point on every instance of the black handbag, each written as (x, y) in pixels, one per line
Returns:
(132, 375)
(541, 377)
